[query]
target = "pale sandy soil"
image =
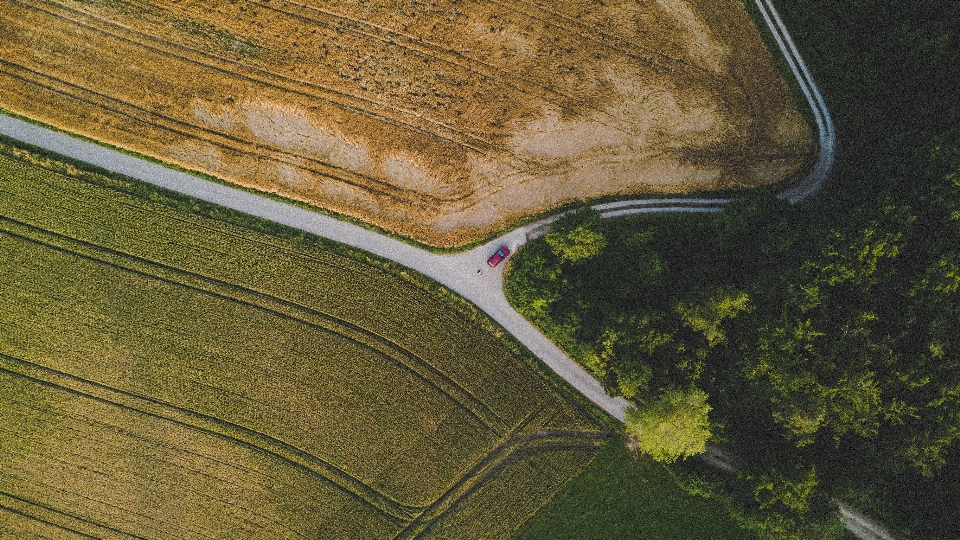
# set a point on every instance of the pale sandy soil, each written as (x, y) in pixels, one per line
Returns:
(443, 121)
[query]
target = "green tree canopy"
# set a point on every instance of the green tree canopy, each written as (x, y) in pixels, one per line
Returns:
(576, 236)
(706, 317)
(673, 426)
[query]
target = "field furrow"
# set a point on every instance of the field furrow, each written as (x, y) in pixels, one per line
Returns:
(584, 32)
(174, 376)
(150, 119)
(478, 67)
(91, 444)
(393, 114)
(110, 100)
(22, 519)
(285, 309)
(244, 382)
(142, 405)
(507, 454)
(511, 493)
(337, 288)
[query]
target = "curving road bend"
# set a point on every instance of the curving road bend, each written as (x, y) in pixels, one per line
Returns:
(458, 271)
(811, 184)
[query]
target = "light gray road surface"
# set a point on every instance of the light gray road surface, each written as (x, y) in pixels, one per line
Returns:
(455, 271)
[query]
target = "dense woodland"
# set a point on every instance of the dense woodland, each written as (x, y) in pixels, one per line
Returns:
(819, 343)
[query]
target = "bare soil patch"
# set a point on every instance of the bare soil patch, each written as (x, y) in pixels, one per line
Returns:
(442, 121)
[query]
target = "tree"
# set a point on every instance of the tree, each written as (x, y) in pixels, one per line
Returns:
(793, 491)
(725, 303)
(576, 236)
(673, 426)
(535, 282)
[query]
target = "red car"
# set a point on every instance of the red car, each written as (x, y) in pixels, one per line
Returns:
(501, 254)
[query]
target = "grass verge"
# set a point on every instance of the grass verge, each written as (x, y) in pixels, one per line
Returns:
(621, 495)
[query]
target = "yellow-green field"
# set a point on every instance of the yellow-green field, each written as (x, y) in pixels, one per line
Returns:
(168, 375)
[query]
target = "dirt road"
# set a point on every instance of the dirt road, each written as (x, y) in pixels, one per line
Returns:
(455, 271)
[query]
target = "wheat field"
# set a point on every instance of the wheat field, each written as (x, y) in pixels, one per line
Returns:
(438, 120)
(169, 375)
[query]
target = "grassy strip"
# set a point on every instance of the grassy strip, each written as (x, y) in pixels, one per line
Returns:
(622, 496)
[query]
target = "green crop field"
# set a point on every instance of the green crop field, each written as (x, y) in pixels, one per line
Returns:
(168, 375)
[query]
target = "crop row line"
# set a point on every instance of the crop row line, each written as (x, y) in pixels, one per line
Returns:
(55, 487)
(373, 32)
(261, 76)
(82, 434)
(659, 61)
(61, 520)
(224, 141)
(528, 450)
(492, 463)
(381, 346)
(375, 322)
(656, 59)
(509, 451)
(234, 433)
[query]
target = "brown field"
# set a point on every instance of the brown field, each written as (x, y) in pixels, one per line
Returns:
(442, 121)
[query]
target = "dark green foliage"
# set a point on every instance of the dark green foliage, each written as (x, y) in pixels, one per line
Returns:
(621, 495)
(576, 236)
(673, 426)
(843, 355)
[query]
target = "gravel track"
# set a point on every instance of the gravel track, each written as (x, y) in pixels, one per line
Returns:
(457, 271)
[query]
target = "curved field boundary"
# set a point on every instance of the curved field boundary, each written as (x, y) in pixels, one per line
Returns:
(393, 510)
(508, 452)
(458, 272)
(257, 300)
(36, 512)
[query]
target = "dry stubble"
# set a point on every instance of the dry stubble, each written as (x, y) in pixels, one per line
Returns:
(439, 120)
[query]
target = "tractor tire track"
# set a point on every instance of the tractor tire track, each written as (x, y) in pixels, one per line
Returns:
(234, 433)
(231, 143)
(21, 511)
(146, 441)
(504, 455)
(372, 32)
(657, 60)
(44, 514)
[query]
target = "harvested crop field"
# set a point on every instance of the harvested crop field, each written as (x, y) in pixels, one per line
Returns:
(442, 121)
(168, 375)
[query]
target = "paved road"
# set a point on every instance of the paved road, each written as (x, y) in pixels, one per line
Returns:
(455, 271)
